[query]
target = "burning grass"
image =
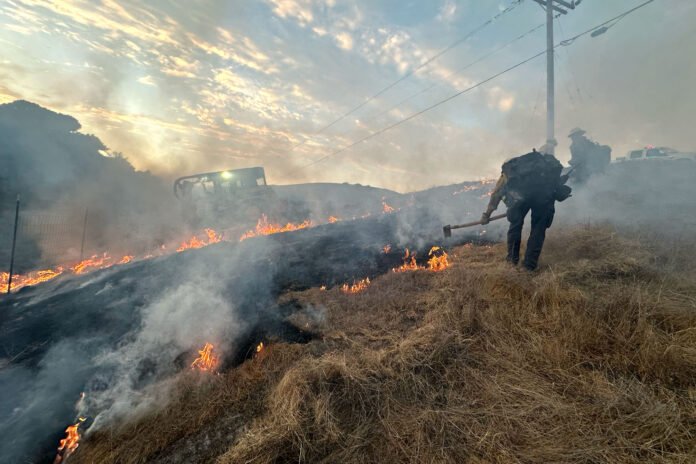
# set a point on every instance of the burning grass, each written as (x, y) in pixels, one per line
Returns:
(207, 360)
(265, 227)
(356, 287)
(591, 360)
(69, 444)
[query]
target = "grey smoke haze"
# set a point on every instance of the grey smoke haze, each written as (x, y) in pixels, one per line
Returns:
(61, 171)
(127, 336)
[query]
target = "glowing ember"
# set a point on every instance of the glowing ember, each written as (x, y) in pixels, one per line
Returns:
(409, 263)
(438, 259)
(386, 249)
(386, 209)
(259, 347)
(195, 242)
(207, 361)
(333, 219)
(125, 260)
(263, 227)
(71, 441)
(357, 287)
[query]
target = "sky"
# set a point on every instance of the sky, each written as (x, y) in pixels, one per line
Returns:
(189, 86)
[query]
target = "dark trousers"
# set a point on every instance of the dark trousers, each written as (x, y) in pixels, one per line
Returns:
(542, 217)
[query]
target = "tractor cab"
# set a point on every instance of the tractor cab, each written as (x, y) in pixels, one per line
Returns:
(226, 197)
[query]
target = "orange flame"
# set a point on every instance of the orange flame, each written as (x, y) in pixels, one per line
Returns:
(89, 264)
(33, 278)
(259, 347)
(70, 443)
(409, 263)
(386, 209)
(97, 262)
(386, 249)
(105, 260)
(207, 361)
(194, 242)
(438, 259)
(482, 183)
(263, 227)
(357, 287)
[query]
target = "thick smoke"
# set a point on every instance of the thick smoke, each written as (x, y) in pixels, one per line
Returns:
(125, 353)
(651, 195)
(180, 321)
(62, 173)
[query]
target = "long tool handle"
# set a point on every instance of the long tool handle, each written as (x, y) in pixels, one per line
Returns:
(476, 223)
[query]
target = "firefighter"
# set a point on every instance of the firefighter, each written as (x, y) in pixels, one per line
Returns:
(587, 157)
(530, 182)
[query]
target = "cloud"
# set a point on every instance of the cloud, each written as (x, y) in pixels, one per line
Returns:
(500, 99)
(344, 40)
(447, 11)
(300, 10)
(147, 80)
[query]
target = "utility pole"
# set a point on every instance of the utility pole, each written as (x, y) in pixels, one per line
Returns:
(562, 7)
(550, 83)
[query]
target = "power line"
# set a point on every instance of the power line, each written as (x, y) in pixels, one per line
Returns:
(418, 113)
(568, 62)
(414, 70)
(457, 71)
(563, 43)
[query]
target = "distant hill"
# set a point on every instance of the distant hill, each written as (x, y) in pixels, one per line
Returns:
(59, 170)
(340, 200)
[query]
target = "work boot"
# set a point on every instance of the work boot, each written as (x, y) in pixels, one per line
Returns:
(530, 269)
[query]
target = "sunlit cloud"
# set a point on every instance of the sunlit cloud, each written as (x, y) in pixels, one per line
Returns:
(177, 88)
(344, 40)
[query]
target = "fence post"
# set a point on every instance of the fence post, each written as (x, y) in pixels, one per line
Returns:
(14, 245)
(84, 234)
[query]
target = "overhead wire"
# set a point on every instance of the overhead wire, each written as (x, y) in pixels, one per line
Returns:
(410, 73)
(459, 70)
(563, 43)
(568, 62)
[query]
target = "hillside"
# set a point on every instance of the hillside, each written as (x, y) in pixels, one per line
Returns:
(591, 360)
(61, 172)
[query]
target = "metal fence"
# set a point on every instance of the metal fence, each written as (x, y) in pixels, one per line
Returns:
(33, 239)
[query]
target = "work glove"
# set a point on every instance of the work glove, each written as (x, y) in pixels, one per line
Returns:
(485, 218)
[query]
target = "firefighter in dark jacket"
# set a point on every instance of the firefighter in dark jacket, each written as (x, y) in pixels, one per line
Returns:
(530, 182)
(587, 157)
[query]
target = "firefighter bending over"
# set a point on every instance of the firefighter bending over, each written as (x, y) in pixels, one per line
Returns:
(587, 157)
(528, 182)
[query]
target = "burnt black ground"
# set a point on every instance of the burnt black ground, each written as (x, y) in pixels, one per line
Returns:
(78, 317)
